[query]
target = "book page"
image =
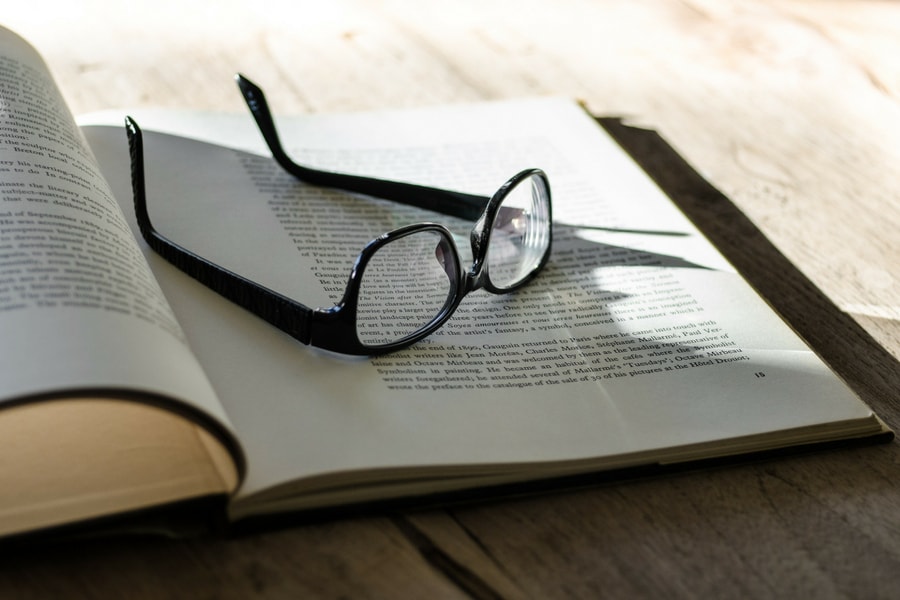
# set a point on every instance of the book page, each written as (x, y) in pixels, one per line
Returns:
(638, 342)
(77, 301)
(81, 316)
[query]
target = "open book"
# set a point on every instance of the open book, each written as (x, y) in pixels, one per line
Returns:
(126, 385)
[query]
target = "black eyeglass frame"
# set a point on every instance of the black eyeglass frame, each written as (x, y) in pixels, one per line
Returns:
(335, 328)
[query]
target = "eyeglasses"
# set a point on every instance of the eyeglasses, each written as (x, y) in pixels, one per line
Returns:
(405, 283)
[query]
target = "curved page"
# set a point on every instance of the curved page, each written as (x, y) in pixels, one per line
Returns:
(81, 315)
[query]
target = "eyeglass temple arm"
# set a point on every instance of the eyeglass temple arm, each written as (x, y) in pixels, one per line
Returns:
(288, 315)
(458, 204)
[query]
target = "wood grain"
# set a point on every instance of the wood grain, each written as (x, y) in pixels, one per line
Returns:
(791, 109)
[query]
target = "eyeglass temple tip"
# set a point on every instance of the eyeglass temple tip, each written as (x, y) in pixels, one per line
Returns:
(135, 140)
(131, 126)
(249, 90)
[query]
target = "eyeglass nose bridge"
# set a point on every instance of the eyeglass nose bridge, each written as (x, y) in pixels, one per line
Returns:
(476, 277)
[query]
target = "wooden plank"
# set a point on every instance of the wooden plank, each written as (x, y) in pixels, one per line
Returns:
(365, 558)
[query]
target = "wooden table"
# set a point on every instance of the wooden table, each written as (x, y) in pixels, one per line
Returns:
(791, 109)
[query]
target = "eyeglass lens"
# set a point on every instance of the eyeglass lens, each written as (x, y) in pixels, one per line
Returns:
(520, 233)
(405, 286)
